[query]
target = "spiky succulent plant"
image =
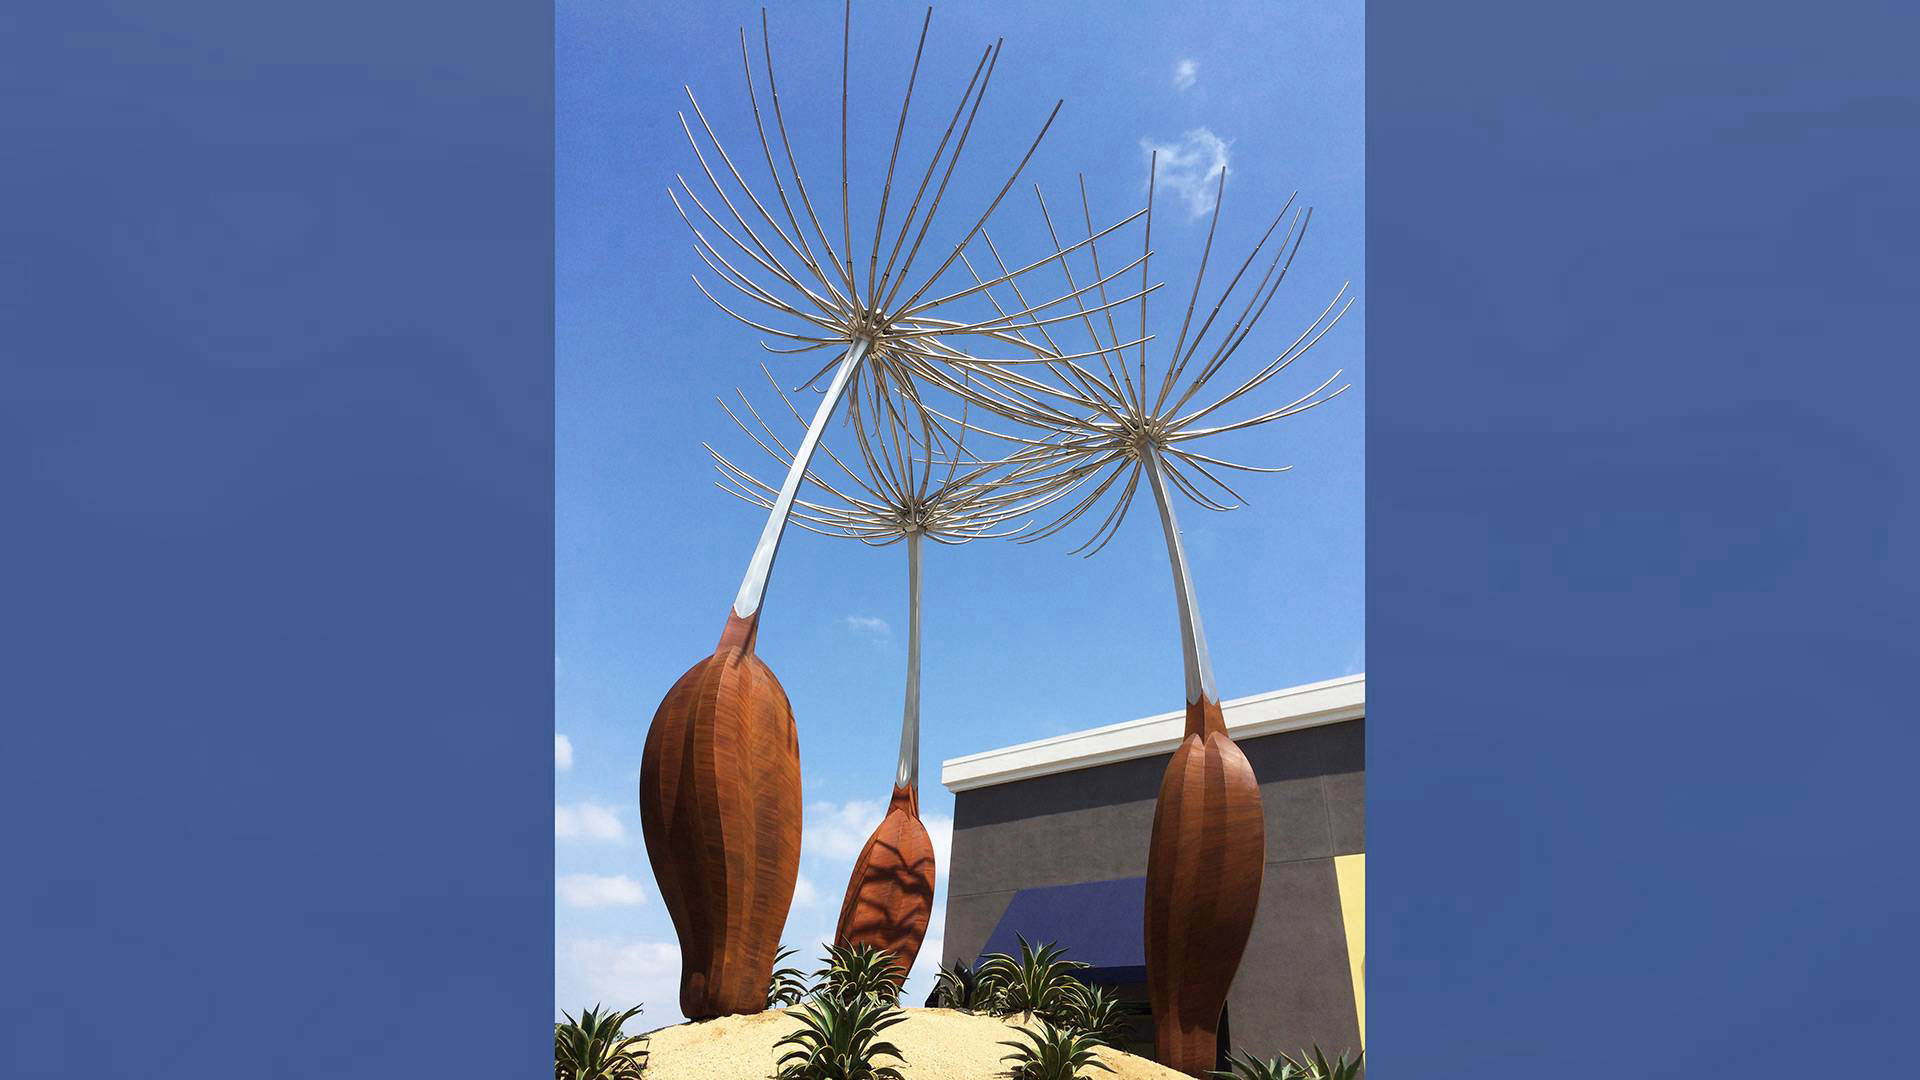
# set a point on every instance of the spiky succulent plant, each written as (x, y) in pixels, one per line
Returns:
(860, 971)
(1035, 981)
(1048, 1052)
(592, 1048)
(1315, 1066)
(788, 985)
(1094, 1011)
(961, 986)
(1247, 1067)
(1307, 1065)
(839, 1039)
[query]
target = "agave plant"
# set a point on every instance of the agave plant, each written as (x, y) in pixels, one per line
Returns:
(1094, 1012)
(1036, 982)
(1248, 1067)
(839, 1038)
(860, 971)
(962, 987)
(1053, 1053)
(788, 986)
(592, 1048)
(1314, 1066)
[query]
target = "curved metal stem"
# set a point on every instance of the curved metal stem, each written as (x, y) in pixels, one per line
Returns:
(1193, 636)
(746, 604)
(908, 775)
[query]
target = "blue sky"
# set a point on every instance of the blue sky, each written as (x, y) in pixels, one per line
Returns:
(1021, 641)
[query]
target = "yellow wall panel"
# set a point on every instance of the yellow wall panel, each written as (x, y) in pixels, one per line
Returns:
(1350, 871)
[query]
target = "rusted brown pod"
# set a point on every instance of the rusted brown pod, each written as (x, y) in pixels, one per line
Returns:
(720, 805)
(1204, 867)
(890, 895)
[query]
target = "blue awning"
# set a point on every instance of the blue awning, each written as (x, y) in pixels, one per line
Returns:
(1101, 923)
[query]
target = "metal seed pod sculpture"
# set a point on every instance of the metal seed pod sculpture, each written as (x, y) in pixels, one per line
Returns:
(908, 488)
(1207, 852)
(720, 795)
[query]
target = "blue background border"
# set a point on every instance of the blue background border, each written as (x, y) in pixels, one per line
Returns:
(277, 427)
(1640, 528)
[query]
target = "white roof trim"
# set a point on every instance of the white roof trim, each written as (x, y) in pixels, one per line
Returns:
(1291, 709)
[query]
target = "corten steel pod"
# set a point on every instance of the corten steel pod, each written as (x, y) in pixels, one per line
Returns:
(720, 810)
(1207, 852)
(1124, 421)
(890, 893)
(720, 796)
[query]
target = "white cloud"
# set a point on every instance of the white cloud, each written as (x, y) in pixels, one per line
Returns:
(1190, 166)
(869, 624)
(804, 892)
(620, 974)
(1185, 72)
(940, 831)
(839, 830)
(562, 751)
(587, 821)
(600, 890)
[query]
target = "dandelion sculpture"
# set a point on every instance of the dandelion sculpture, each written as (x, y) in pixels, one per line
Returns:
(1207, 851)
(720, 796)
(907, 487)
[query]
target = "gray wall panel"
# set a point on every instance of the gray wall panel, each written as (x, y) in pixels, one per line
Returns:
(1104, 785)
(1345, 780)
(1294, 987)
(1292, 795)
(970, 921)
(1095, 844)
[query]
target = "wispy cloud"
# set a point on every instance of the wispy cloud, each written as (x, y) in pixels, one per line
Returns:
(805, 894)
(562, 751)
(587, 821)
(839, 830)
(1185, 72)
(940, 831)
(600, 890)
(1189, 166)
(869, 624)
(621, 973)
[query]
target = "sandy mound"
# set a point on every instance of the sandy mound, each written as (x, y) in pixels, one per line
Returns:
(939, 1044)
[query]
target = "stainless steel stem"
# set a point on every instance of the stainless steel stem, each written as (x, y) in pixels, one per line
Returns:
(908, 775)
(754, 586)
(1193, 636)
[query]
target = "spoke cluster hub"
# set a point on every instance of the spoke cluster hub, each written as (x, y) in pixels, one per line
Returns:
(1136, 434)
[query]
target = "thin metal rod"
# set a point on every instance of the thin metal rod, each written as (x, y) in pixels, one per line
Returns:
(754, 586)
(908, 775)
(1193, 636)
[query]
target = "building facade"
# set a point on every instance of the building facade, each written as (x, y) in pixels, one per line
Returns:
(1050, 843)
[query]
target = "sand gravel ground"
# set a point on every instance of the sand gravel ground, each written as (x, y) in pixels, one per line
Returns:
(939, 1044)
